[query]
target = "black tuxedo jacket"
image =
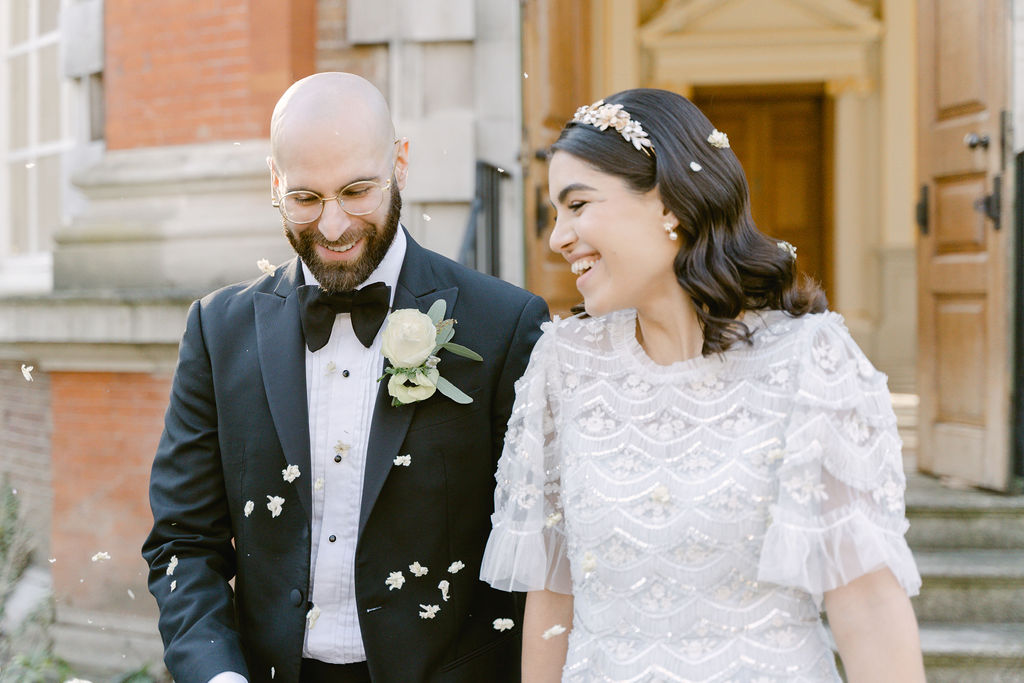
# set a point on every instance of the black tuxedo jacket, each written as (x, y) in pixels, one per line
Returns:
(238, 416)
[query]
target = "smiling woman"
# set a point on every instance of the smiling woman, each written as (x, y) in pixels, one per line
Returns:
(694, 469)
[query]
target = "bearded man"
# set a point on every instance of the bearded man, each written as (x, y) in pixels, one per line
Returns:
(312, 523)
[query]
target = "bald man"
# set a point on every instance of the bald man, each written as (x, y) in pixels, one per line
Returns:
(352, 528)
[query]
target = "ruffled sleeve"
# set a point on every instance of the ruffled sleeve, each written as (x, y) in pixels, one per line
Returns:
(526, 550)
(839, 512)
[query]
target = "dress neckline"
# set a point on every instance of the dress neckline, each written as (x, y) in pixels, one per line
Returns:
(624, 339)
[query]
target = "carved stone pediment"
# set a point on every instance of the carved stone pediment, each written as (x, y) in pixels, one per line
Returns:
(736, 41)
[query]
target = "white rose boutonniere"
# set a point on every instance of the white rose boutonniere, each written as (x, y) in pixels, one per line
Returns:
(411, 342)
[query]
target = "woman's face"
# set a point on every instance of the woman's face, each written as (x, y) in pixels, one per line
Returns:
(613, 238)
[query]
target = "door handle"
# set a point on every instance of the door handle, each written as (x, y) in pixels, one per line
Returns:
(973, 141)
(922, 210)
(990, 205)
(541, 211)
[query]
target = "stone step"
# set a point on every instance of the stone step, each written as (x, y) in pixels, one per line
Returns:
(970, 586)
(974, 653)
(945, 517)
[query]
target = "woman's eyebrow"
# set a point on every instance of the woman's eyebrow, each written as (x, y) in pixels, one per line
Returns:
(572, 188)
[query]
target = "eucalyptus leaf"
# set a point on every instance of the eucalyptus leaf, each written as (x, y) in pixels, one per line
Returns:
(452, 391)
(460, 350)
(446, 334)
(436, 311)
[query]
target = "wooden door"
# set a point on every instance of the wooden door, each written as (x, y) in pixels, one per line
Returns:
(963, 249)
(780, 135)
(556, 80)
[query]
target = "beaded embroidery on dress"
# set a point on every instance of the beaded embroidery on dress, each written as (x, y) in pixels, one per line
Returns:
(697, 512)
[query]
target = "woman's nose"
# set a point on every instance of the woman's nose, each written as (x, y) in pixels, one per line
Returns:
(562, 236)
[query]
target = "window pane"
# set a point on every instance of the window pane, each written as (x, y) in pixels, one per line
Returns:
(48, 198)
(48, 11)
(17, 207)
(18, 130)
(97, 110)
(49, 94)
(19, 20)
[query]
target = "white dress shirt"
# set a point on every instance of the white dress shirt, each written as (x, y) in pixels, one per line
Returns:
(341, 388)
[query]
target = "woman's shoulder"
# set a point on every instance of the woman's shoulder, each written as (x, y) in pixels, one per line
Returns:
(772, 325)
(583, 330)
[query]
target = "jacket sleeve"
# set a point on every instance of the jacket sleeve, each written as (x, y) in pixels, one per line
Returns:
(189, 550)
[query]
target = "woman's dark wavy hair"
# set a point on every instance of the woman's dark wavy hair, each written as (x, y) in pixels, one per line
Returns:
(724, 263)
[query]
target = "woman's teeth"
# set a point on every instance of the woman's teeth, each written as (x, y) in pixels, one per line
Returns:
(583, 265)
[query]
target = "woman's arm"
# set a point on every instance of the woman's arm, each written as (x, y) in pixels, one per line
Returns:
(875, 628)
(543, 659)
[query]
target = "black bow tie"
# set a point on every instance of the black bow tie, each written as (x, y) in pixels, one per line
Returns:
(317, 308)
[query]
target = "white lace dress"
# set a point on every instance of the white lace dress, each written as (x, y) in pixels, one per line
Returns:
(697, 512)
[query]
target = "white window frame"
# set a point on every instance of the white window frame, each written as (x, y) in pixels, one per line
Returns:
(31, 271)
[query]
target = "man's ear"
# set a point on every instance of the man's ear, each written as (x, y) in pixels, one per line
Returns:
(275, 182)
(402, 163)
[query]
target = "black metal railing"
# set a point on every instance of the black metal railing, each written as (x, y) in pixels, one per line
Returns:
(481, 242)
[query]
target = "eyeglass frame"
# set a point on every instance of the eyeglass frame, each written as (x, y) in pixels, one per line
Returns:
(277, 202)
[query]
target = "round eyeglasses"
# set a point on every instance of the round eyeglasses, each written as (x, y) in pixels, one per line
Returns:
(358, 199)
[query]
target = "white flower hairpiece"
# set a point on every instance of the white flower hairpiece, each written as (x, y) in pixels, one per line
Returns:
(787, 247)
(602, 116)
(718, 139)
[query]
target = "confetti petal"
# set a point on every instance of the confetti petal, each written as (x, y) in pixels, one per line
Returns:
(503, 624)
(311, 616)
(555, 630)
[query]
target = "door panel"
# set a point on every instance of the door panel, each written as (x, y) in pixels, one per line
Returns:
(779, 138)
(556, 65)
(963, 269)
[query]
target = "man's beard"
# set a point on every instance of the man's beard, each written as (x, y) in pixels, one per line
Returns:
(344, 276)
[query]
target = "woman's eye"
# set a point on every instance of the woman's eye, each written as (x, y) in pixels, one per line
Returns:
(305, 198)
(576, 206)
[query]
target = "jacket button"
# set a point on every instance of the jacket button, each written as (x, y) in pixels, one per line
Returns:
(296, 596)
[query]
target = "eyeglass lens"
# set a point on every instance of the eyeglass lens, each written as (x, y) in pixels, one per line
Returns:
(357, 199)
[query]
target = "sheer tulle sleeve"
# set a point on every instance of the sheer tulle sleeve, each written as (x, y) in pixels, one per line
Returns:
(526, 550)
(839, 513)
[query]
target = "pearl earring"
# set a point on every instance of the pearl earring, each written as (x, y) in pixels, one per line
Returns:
(672, 235)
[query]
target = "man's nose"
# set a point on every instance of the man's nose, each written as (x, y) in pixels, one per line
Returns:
(334, 222)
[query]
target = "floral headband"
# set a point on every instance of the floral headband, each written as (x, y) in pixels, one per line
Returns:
(602, 116)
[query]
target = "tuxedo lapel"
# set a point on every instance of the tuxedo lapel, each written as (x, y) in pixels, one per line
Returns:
(418, 288)
(282, 359)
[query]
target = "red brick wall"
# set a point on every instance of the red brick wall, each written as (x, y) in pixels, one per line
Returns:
(25, 448)
(106, 427)
(188, 71)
